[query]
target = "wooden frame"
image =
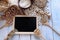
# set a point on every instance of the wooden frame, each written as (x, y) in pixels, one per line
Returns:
(25, 16)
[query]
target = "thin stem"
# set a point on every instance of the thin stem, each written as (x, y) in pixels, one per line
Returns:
(47, 24)
(10, 35)
(38, 33)
(3, 26)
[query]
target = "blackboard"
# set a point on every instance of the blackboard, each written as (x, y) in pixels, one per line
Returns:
(25, 24)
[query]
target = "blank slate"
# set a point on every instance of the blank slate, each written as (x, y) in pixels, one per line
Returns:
(25, 24)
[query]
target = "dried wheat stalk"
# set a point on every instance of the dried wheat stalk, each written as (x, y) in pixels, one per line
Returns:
(14, 10)
(4, 1)
(35, 10)
(3, 5)
(9, 14)
(38, 33)
(44, 20)
(10, 35)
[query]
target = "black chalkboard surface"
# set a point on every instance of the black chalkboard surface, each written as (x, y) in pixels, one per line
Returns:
(25, 24)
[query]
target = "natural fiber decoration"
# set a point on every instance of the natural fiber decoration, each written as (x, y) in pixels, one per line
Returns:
(4, 1)
(40, 3)
(36, 9)
(10, 13)
(10, 35)
(43, 16)
(3, 5)
(44, 20)
(38, 33)
(48, 25)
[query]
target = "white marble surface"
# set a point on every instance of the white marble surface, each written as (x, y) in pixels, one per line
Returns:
(54, 9)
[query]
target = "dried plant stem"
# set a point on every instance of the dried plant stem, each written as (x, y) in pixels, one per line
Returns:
(38, 33)
(47, 24)
(10, 35)
(44, 20)
(5, 25)
(9, 15)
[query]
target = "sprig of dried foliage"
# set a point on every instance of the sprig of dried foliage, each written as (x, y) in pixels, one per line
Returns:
(38, 33)
(9, 15)
(14, 10)
(3, 5)
(10, 35)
